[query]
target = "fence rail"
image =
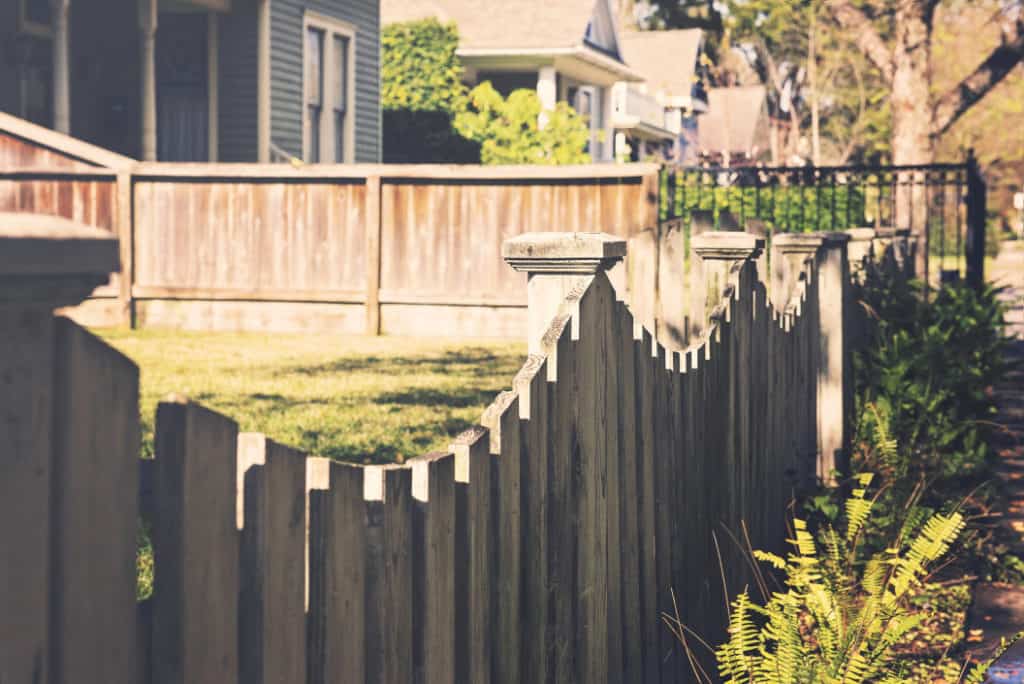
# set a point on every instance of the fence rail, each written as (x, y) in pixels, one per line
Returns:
(544, 545)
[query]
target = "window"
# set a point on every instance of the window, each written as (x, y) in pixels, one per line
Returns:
(36, 17)
(314, 91)
(328, 129)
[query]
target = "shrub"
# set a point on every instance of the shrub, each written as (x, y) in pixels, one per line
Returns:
(508, 129)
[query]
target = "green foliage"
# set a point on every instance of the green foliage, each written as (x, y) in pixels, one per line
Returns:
(508, 130)
(421, 92)
(420, 71)
(841, 614)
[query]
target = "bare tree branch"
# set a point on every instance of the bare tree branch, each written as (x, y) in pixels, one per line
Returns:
(870, 43)
(989, 73)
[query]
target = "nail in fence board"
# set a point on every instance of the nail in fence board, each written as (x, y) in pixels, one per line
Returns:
(95, 484)
(337, 565)
(272, 617)
(195, 546)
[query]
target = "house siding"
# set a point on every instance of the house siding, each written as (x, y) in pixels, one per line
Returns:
(238, 75)
(286, 42)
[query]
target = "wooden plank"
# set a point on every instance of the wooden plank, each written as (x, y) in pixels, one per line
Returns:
(372, 222)
(95, 505)
(532, 387)
(647, 473)
(502, 418)
(561, 525)
(612, 359)
(662, 506)
(230, 294)
(433, 571)
(195, 546)
(26, 412)
(629, 547)
(272, 505)
(475, 545)
(389, 624)
(591, 497)
(125, 230)
(337, 567)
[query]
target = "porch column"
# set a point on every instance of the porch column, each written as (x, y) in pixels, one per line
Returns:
(61, 77)
(547, 91)
(147, 39)
(263, 81)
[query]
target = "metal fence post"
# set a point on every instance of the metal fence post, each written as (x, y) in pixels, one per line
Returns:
(976, 209)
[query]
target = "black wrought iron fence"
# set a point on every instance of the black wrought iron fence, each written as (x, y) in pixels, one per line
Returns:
(941, 204)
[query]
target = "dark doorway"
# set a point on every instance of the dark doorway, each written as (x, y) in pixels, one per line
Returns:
(182, 97)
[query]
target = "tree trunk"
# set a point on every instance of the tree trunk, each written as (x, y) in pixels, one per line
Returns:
(912, 142)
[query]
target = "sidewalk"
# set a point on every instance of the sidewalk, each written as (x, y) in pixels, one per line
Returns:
(998, 609)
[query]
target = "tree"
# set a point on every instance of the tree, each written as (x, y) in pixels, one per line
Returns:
(509, 130)
(421, 92)
(897, 37)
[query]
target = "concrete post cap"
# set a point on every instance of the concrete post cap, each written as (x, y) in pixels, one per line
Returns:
(576, 253)
(836, 238)
(51, 260)
(861, 234)
(890, 232)
(798, 243)
(727, 245)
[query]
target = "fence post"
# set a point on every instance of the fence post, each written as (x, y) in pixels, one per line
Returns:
(835, 381)
(373, 253)
(555, 264)
(791, 251)
(719, 250)
(976, 209)
(45, 263)
(859, 250)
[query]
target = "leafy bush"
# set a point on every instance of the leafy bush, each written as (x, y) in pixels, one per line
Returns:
(421, 92)
(841, 615)
(509, 132)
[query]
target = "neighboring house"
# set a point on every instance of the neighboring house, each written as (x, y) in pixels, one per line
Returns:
(736, 129)
(199, 80)
(670, 62)
(568, 50)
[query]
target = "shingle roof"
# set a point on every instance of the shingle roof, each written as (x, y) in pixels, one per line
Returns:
(735, 120)
(667, 59)
(497, 24)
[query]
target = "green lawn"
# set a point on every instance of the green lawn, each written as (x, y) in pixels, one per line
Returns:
(363, 399)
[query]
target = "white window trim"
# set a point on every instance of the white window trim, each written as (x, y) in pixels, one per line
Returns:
(331, 26)
(31, 27)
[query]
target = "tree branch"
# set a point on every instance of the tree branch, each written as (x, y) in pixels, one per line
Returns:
(989, 73)
(870, 43)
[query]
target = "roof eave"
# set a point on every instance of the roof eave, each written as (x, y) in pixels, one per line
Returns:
(616, 70)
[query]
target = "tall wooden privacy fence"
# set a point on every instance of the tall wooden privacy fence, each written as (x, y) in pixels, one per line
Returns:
(598, 494)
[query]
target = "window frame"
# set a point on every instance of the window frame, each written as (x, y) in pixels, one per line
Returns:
(34, 28)
(331, 28)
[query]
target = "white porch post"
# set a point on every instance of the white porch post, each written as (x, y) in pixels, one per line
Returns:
(212, 85)
(147, 30)
(607, 115)
(547, 91)
(61, 76)
(263, 81)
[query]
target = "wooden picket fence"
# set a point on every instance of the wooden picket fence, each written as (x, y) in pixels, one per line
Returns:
(614, 484)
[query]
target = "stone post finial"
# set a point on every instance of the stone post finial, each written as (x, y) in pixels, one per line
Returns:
(790, 252)
(719, 250)
(50, 262)
(555, 263)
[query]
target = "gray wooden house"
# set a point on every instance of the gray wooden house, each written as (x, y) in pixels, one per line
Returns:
(199, 80)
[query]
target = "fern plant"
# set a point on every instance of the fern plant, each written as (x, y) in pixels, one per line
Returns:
(838, 617)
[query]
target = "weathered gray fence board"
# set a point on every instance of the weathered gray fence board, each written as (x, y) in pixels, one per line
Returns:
(95, 478)
(433, 568)
(647, 474)
(195, 546)
(389, 623)
(272, 620)
(337, 566)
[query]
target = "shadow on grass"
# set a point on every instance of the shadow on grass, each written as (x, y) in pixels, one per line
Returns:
(422, 396)
(477, 362)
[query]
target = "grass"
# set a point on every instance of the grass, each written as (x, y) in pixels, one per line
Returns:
(352, 398)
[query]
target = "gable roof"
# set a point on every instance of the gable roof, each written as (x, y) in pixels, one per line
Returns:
(736, 121)
(502, 24)
(666, 59)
